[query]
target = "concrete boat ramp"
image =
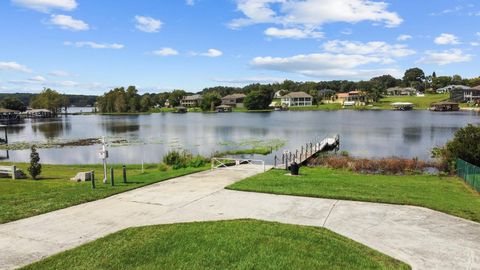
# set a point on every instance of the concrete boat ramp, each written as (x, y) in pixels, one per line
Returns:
(423, 238)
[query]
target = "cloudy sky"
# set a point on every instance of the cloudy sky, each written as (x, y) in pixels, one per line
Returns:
(87, 46)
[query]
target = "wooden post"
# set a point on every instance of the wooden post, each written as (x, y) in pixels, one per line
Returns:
(14, 169)
(124, 169)
(275, 161)
(112, 178)
(93, 179)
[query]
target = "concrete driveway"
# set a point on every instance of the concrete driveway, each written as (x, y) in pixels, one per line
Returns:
(423, 238)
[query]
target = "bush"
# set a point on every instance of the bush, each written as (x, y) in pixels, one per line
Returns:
(175, 159)
(163, 167)
(35, 168)
(197, 161)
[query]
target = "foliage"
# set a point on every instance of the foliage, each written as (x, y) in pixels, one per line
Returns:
(258, 100)
(119, 100)
(163, 167)
(465, 145)
(210, 101)
(414, 77)
(445, 194)
(74, 100)
(48, 99)
(175, 159)
(13, 103)
(35, 168)
(196, 162)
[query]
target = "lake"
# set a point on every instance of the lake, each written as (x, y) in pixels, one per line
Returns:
(362, 133)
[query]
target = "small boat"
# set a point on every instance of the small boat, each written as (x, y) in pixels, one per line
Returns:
(402, 106)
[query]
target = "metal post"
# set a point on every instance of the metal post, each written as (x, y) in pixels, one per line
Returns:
(104, 150)
(283, 158)
(112, 177)
(6, 135)
(14, 169)
(124, 169)
(275, 161)
(93, 179)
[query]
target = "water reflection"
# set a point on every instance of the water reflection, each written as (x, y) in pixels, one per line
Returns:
(366, 133)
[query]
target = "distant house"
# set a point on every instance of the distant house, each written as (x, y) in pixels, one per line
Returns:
(296, 99)
(352, 98)
(8, 115)
(449, 88)
(401, 91)
(234, 100)
(465, 95)
(191, 101)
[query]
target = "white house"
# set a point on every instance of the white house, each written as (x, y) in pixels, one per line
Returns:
(449, 88)
(297, 99)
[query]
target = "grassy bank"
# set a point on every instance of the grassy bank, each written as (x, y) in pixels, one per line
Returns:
(445, 194)
(320, 107)
(239, 244)
(24, 198)
(420, 103)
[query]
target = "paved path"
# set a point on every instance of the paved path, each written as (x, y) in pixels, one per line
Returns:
(423, 238)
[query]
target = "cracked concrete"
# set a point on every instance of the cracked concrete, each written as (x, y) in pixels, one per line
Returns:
(423, 238)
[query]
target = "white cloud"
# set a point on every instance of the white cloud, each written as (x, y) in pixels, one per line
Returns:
(59, 73)
(68, 23)
(312, 14)
(165, 52)
(445, 39)
(374, 48)
(190, 2)
(209, 53)
(445, 57)
(14, 66)
(47, 5)
(404, 37)
(249, 80)
(94, 45)
(475, 44)
(294, 33)
(147, 24)
(38, 79)
(325, 65)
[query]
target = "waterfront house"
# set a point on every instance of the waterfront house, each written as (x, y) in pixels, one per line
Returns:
(449, 88)
(234, 100)
(352, 98)
(401, 91)
(465, 95)
(191, 101)
(445, 106)
(297, 99)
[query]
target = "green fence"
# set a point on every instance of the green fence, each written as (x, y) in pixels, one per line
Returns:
(470, 173)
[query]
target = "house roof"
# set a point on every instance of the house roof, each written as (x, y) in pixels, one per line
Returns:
(37, 111)
(298, 95)
(192, 97)
(343, 95)
(444, 103)
(234, 96)
(476, 87)
(3, 110)
(454, 87)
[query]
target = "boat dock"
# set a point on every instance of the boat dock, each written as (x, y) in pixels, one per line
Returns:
(307, 152)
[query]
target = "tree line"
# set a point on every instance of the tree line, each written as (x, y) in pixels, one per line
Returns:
(47, 99)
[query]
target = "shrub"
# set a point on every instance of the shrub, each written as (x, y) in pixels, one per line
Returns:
(35, 168)
(175, 159)
(163, 167)
(197, 161)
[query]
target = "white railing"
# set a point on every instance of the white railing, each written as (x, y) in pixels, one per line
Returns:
(233, 163)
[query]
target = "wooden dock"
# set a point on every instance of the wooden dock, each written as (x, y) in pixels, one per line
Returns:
(307, 152)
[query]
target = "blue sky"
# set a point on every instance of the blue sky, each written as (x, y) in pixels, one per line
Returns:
(88, 47)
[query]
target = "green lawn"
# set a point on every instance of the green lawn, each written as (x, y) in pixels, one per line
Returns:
(24, 198)
(239, 244)
(421, 103)
(445, 194)
(320, 107)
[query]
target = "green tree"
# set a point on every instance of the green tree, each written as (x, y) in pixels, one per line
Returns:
(146, 102)
(35, 168)
(13, 103)
(414, 77)
(257, 100)
(210, 101)
(48, 99)
(175, 96)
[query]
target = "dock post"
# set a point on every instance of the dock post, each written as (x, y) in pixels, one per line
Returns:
(93, 179)
(283, 158)
(275, 161)
(6, 135)
(112, 178)
(296, 153)
(124, 169)
(14, 169)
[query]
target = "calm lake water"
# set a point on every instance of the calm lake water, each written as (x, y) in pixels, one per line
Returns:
(363, 133)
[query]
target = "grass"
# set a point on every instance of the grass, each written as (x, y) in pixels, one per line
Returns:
(420, 103)
(446, 194)
(24, 198)
(238, 244)
(249, 151)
